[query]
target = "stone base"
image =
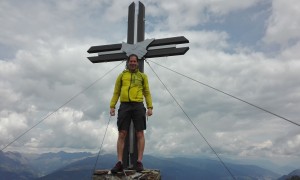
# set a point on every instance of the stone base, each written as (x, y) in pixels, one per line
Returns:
(147, 174)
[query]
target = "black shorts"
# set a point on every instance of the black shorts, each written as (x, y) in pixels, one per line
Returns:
(134, 111)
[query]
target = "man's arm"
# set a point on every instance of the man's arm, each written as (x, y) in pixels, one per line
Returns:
(116, 95)
(147, 94)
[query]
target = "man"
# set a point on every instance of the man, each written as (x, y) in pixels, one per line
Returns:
(131, 86)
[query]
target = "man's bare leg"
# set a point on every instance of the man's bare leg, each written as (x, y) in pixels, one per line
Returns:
(120, 147)
(140, 144)
(120, 144)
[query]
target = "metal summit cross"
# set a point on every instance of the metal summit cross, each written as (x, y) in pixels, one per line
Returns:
(149, 48)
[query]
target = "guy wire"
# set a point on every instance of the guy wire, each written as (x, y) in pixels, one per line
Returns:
(281, 117)
(72, 98)
(101, 146)
(193, 123)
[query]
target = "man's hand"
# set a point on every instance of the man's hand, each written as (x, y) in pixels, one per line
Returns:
(149, 112)
(112, 111)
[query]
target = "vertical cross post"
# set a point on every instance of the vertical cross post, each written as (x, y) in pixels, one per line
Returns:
(141, 31)
(130, 149)
(130, 154)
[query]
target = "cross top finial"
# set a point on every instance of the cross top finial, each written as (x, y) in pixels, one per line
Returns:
(139, 48)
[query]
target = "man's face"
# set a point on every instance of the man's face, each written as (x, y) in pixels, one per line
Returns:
(132, 63)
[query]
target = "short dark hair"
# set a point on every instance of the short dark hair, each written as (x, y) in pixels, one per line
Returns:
(137, 58)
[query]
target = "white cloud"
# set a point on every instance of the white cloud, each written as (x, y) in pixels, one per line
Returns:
(284, 24)
(11, 124)
(179, 15)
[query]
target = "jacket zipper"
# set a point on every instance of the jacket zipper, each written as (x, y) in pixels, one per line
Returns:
(129, 87)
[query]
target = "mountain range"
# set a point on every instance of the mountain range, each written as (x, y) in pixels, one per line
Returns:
(63, 165)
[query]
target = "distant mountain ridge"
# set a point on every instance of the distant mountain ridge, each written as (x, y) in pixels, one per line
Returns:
(75, 166)
(49, 162)
(294, 175)
(14, 166)
(171, 168)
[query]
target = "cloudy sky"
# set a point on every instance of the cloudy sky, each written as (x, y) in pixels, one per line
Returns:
(249, 49)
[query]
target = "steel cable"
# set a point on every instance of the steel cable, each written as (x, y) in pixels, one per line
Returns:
(229, 95)
(228, 170)
(101, 146)
(72, 98)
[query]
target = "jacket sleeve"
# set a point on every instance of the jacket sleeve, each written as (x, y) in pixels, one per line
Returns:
(117, 92)
(146, 92)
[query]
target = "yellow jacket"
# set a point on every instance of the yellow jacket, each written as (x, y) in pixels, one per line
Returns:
(131, 87)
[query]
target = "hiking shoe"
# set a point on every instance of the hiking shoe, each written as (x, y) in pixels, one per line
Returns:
(139, 166)
(118, 168)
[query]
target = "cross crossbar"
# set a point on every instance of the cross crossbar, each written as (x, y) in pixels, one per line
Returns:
(150, 53)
